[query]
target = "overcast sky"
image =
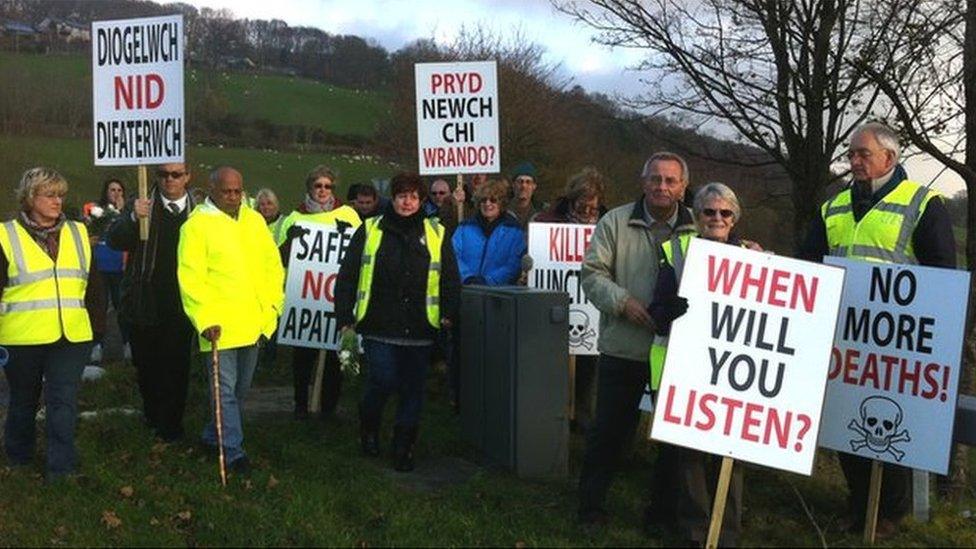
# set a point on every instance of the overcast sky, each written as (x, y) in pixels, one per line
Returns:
(394, 23)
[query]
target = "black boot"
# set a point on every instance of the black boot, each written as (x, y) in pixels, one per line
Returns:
(369, 434)
(403, 439)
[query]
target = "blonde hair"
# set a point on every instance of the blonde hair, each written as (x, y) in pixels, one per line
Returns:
(35, 179)
(269, 194)
(498, 189)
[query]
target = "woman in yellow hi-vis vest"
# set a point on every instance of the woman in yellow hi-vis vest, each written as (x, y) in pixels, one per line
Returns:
(716, 210)
(44, 268)
(398, 285)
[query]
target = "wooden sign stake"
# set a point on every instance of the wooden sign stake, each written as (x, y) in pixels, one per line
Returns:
(718, 506)
(317, 386)
(460, 204)
(143, 194)
(874, 501)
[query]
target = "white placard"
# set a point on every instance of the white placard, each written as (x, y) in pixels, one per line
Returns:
(309, 316)
(457, 117)
(746, 367)
(557, 252)
(137, 91)
(894, 369)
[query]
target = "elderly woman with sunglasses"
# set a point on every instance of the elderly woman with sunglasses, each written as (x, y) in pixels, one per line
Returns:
(44, 266)
(716, 210)
(320, 205)
(489, 246)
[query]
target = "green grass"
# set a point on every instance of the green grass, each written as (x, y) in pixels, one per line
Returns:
(298, 102)
(280, 100)
(282, 172)
(311, 487)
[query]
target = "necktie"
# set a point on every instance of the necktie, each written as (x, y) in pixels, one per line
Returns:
(175, 208)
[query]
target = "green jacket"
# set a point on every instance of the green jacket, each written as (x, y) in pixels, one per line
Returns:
(622, 262)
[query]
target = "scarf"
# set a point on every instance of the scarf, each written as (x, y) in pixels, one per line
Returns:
(311, 206)
(46, 237)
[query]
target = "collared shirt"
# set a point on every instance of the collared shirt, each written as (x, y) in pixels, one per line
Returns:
(661, 230)
(180, 203)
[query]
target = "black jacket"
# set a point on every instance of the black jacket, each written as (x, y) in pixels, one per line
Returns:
(397, 306)
(150, 292)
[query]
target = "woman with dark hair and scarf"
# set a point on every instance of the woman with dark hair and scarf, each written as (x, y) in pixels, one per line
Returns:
(44, 265)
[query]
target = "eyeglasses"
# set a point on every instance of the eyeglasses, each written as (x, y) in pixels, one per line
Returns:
(439, 193)
(163, 174)
(491, 199)
(712, 212)
(327, 186)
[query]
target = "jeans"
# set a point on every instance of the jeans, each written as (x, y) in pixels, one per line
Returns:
(236, 371)
(56, 367)
(395, 368)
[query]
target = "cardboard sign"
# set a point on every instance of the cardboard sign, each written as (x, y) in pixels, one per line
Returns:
(457, 117)
(557, 256)
(309, 316)
(137, 91)
(746, 366)
(894, 369)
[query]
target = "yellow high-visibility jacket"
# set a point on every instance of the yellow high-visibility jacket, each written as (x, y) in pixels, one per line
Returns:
(230, 275)
(343, 213)
(44, 299)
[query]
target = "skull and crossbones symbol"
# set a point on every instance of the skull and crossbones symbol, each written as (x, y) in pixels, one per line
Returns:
(880, 419)
(580, 332)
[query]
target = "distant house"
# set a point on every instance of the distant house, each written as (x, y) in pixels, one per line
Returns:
(67, 30)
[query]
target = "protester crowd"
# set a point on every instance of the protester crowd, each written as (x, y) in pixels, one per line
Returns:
(210, 278)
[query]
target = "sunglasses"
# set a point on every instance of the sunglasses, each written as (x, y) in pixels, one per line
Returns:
(163, 174)
(440, 193)
(323, 186)
(712, 212)
(491, 199)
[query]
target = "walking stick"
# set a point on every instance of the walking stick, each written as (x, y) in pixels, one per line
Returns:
(218, 416)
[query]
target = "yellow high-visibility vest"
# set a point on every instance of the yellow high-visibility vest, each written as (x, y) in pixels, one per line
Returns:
(434, 237)
(884, 234)
(44, 300)
(675, 251)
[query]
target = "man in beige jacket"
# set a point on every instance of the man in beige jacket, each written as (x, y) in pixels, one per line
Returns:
(619, 273)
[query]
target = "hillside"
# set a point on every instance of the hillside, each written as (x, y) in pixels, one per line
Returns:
(278, 100)
(283, 172)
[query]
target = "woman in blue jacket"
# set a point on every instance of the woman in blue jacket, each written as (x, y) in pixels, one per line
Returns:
(489, 246)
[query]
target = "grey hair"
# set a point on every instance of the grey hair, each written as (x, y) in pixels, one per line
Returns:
(218, 171)
(664, 155)
(886, 137)
(717, 190)
(35, 178)
(266, 192)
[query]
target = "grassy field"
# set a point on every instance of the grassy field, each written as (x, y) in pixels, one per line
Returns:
(283, 172)
(280, 100)
(311, 487)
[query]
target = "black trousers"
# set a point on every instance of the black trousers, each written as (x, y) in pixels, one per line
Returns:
(303, 366)
(896, 488)
(161, 355)
(620, 386)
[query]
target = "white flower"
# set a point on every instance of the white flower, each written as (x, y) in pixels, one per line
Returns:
(96, 211)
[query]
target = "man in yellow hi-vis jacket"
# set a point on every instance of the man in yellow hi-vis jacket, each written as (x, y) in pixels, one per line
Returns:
(231, 282)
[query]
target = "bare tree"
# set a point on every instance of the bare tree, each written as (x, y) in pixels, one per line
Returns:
(773, 70)
(929, 77)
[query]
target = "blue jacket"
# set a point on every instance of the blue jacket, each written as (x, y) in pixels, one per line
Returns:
(494, 260)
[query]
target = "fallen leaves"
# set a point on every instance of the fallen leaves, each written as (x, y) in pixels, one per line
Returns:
(272, 482)
(110, 519)
(184, 516)
(126, 491)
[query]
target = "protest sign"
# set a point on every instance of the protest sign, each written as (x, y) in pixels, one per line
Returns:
(309, 316)
(746, 366)
(557, 252)
(894, 369)
(457, 117)
(137, 91)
